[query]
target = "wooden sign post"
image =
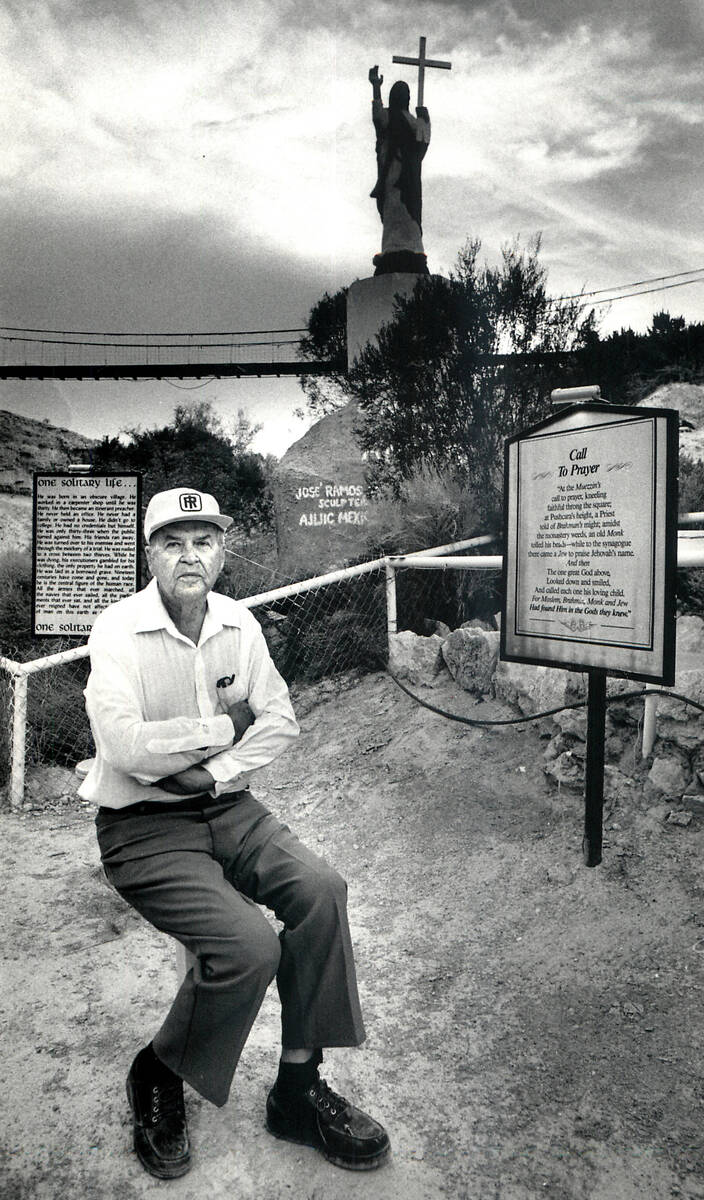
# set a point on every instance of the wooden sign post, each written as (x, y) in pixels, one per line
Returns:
(590, 523)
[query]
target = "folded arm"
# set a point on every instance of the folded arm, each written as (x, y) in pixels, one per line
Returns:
(274, 725)
(148, 750)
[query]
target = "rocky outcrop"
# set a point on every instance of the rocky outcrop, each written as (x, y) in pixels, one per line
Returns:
(688, 399)
(323, 514)
(27, 446)
(672, 775)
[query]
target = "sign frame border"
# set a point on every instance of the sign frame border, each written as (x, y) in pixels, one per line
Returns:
(139, 556)
(670, 416)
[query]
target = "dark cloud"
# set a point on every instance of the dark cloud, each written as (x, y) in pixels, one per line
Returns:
(672, 26)
(676, 27)
(127, 269)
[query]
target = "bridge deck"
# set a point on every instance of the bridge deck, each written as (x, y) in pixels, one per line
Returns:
(162, 371)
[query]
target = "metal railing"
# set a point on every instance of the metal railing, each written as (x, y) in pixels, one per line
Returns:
(19, 673)
(445, 558)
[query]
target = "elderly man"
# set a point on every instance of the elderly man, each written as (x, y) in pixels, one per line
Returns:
(185, 703)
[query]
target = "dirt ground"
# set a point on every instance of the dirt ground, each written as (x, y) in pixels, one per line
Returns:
(534, 1027)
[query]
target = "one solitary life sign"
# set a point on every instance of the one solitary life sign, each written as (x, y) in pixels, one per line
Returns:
(86, 549)
(591, 541)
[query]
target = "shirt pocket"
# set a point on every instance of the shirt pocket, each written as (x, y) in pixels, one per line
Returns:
(230, 693)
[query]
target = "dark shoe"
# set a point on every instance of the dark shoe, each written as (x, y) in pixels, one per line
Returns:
(319, 1117)
(160, 1130)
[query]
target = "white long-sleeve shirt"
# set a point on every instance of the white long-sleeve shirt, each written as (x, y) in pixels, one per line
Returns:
(158, 704)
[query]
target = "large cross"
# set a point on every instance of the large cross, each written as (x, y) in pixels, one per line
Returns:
(421, 62)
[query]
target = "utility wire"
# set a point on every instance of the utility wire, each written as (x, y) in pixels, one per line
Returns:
(644, 292)
(619, 287)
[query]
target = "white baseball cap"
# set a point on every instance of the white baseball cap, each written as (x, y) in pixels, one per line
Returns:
(182, 504)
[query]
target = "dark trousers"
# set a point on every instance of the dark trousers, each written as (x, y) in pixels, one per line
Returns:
(197, 870)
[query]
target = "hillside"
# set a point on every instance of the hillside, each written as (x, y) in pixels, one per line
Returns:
(26, 446)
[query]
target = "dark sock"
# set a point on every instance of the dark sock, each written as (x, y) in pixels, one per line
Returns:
(294, 1078)
(148, 1065)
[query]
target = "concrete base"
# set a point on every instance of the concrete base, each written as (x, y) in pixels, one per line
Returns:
(370, 304)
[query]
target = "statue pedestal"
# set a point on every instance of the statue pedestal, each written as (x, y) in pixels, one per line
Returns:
(370, 304)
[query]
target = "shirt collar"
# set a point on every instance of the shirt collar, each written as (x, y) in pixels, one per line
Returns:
(220, 611)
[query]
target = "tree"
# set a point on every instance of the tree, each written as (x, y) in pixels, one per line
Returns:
(432, 394)
(193, 450)
(326, 341)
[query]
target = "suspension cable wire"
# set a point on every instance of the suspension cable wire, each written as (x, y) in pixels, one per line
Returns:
(140, 333)
(7, 337)
(190, 387)
(608, 291)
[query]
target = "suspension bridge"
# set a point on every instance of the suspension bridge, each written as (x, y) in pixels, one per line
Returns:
(87, 354)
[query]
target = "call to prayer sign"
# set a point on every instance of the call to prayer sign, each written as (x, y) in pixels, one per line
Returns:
(86, 548)
(591, 541)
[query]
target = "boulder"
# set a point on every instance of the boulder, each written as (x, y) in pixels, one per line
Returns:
(323, 513)
(471, 655)
(668, 776)
(567, 769)
(690, 635)
(534, 689)
(414, 658)
(573, 721)
(679, 722)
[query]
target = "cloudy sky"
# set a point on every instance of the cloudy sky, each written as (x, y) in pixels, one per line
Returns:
(206, 165)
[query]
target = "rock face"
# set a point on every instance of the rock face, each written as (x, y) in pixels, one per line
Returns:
(324, 518)
(534, 689)
(471, 654)
(415, 658)
(322, 512)
(27, 446)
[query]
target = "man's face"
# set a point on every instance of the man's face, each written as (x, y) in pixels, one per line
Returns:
(186, 559)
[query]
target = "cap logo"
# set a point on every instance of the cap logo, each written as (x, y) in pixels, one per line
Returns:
(190, 502)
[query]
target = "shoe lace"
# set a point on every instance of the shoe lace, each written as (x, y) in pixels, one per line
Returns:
(167, 1101)
(326, 1100)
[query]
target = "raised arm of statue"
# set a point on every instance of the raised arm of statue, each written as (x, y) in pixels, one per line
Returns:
(376, 81)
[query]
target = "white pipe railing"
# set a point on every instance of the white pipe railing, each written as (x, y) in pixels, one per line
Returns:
(20, 671)
(479, 562)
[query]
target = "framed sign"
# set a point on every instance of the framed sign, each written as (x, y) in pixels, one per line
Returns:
(86, 548)
(590, 521)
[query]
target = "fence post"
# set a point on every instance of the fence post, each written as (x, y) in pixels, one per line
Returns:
(391, 618)
(19, 736)
(650, 706)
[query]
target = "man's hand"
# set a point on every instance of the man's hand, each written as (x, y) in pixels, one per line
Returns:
(376, 81)
(242, 717)
(188, 782)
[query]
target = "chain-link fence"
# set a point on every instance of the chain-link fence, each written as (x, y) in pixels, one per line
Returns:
(315, 629)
